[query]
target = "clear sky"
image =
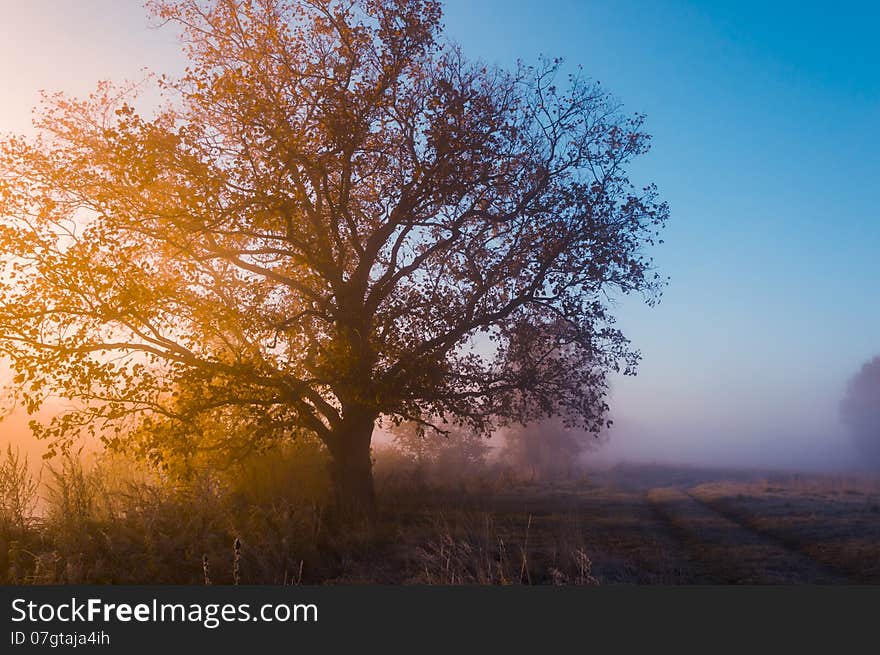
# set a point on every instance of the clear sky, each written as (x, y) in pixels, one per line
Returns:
(766, 145)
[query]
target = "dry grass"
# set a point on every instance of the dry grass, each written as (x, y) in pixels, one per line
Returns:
(833, 520)
(106, 523)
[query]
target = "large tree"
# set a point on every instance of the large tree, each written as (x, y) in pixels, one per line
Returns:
(335, 218)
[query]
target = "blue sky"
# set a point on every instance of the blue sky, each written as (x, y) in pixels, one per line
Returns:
(766, 146)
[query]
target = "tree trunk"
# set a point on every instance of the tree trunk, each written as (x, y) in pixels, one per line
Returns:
(352, 467)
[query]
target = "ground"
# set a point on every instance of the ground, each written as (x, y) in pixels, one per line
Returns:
(632, 525)
(626, 525)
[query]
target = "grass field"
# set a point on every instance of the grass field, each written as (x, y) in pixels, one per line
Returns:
(625, 525)
(652, 525)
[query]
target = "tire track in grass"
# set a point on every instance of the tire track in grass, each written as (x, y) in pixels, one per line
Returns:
(838, 575)
(726, 552)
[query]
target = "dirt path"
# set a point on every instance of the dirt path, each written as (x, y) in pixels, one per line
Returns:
(728, 552)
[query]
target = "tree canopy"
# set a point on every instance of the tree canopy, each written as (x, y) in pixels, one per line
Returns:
(336, 217)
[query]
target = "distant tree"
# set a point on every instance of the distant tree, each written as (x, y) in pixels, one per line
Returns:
(454, 455)
(331, 214)
(547, 449)
(860, 411)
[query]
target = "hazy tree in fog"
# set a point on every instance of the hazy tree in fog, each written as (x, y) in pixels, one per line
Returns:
(547, 449)
(456, 455)
(330, 214)
(860, 411)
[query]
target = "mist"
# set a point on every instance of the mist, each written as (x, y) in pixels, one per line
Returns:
(777, 432)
